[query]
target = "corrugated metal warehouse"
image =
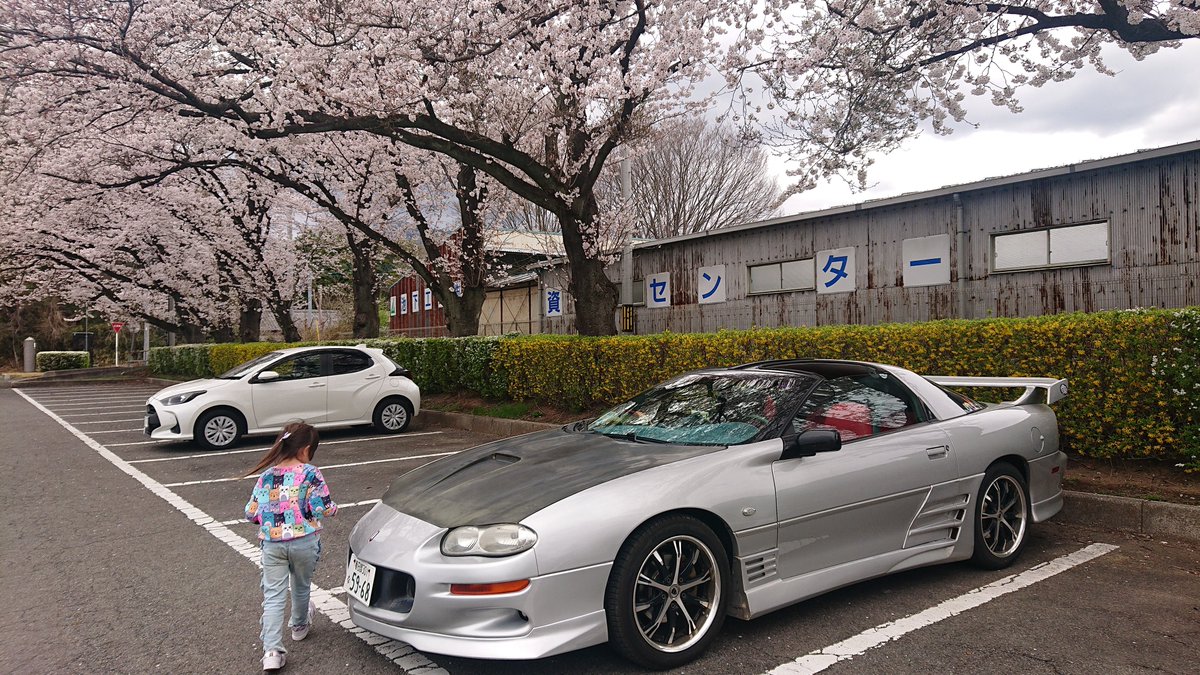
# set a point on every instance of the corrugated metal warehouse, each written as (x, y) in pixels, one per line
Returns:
(1116, 233)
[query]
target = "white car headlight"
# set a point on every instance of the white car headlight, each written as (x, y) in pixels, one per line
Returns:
(178, 399)
(489, 540)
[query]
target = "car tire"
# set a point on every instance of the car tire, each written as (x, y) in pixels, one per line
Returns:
(218, 429)
(670, 620)
(392, 415)
(1001, 517)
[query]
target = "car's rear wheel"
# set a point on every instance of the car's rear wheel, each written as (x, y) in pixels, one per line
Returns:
(1001, 517)
(218, 429)
(392, 415)
(667, 592)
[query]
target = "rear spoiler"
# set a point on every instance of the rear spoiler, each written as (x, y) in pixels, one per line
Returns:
(1056, 390)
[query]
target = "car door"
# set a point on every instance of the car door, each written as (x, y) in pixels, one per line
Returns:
(862, 500)
(298, 394)
(354, 381)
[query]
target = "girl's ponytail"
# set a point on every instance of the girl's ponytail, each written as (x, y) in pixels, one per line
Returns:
(291, 440)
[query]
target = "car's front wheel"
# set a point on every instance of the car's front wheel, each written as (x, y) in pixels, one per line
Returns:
(392, 415)
(1001, 517)
(218, 429)
(667, 593)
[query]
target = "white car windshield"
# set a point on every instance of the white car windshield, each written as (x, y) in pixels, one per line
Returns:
(706, 408)
(241, 371)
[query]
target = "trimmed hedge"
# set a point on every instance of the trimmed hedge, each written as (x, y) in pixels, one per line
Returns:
(1135, 375)
(62, 360)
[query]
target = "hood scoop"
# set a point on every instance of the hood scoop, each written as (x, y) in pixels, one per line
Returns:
(481, 466)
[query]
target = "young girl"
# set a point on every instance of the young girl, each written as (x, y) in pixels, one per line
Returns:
(288, 503)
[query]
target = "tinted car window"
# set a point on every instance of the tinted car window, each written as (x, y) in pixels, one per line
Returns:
(299, 367)
(857, 407)
(341, 363)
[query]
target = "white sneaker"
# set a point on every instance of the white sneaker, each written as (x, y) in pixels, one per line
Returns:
(274, 660)
(301, 632)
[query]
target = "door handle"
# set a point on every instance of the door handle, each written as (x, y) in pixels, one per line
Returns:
(314, 385)
(371, 377)
(938, 452)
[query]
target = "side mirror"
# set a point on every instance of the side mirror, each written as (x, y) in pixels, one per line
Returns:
(266, 376)
(811, 442)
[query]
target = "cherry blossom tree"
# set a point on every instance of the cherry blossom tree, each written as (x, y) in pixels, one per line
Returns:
(538, 96)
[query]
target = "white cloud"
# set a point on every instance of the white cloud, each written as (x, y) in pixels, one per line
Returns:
(1147, 104)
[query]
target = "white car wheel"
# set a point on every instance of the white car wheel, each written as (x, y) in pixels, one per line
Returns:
(218, 429)
(393, 415)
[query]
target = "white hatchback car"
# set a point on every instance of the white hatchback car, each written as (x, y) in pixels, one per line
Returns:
(324, 386)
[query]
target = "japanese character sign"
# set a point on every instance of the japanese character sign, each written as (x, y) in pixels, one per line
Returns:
(710, 285)
(404, 303)
(428, 298)
(835, 270)
(416, 302)
(658, 290)
(926, 260)
(554, 302)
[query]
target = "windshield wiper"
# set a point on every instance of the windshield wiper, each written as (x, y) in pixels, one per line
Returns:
(632, 435)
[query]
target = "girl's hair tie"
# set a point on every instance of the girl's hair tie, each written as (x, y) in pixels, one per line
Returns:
(285, 435)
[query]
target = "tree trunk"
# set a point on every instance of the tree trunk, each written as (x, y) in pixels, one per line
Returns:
(222, 334)
(366, 304)
(595, 296)
(462, 314)
(250, 321)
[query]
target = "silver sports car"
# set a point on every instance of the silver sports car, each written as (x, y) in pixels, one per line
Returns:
(725, 491)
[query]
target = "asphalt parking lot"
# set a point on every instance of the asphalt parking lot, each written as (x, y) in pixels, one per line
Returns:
(125, 555)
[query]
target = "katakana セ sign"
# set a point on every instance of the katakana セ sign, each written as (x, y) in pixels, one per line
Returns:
(658, 290)
(710, 284)
(835, 270)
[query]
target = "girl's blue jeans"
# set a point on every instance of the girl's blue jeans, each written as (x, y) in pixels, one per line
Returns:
(283, 561)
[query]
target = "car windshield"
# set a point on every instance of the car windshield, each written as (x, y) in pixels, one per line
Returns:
(705, 408)
(239, 372)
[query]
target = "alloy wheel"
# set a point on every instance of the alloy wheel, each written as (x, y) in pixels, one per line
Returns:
(676, 589)
(1002, 517)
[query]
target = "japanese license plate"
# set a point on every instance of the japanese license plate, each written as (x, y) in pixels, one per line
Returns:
(360, 579)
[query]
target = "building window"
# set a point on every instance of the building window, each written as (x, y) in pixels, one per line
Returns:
(639, 292)
(792, 275)
(1056, 247)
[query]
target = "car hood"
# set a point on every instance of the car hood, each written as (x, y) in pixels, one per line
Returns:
(191, 385)
(507, 480)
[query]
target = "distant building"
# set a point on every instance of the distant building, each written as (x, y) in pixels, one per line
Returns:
(511, 305)
(1114, 233)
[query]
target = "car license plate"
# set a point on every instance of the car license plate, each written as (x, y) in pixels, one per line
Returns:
(360, 579)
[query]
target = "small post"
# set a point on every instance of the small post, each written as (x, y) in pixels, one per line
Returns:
(30, 354)
(117, 347)
(146, 341)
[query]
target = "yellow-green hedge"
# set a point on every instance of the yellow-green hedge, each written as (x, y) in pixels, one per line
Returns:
(1119, 405)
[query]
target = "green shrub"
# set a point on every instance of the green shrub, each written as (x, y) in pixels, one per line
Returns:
(62, 360)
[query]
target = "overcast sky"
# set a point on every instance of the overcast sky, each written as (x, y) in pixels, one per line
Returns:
(1145, 105)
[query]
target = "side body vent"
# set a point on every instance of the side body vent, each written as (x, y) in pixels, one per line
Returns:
(760, 568)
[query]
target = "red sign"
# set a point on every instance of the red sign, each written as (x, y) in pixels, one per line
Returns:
(117, 326)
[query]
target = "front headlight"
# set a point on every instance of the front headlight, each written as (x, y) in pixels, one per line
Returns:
(178, 399)
(489, 540)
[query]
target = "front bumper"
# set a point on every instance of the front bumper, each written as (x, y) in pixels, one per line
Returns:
(165, 424)
(557, 612)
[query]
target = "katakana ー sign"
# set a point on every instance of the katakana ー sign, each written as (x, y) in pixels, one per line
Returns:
(835, 270)
(554, 302)
(710, 284)
(926, 260)
(658, 290)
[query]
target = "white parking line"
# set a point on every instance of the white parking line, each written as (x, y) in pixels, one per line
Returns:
(117, 431)
(118, 445)
(96, 394)
(262, 449)
(130, 411)
(323, 469)
(368, 502)
(401, 654)
(815, 662)
(134, 419)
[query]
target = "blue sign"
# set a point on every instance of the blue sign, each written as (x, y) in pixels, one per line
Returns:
(836, 270)
(926, 260)
(658, 290)
(711, 284)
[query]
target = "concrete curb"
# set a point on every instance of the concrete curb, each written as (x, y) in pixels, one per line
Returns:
(493, 426)
(76, 376)
(1132, 515)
